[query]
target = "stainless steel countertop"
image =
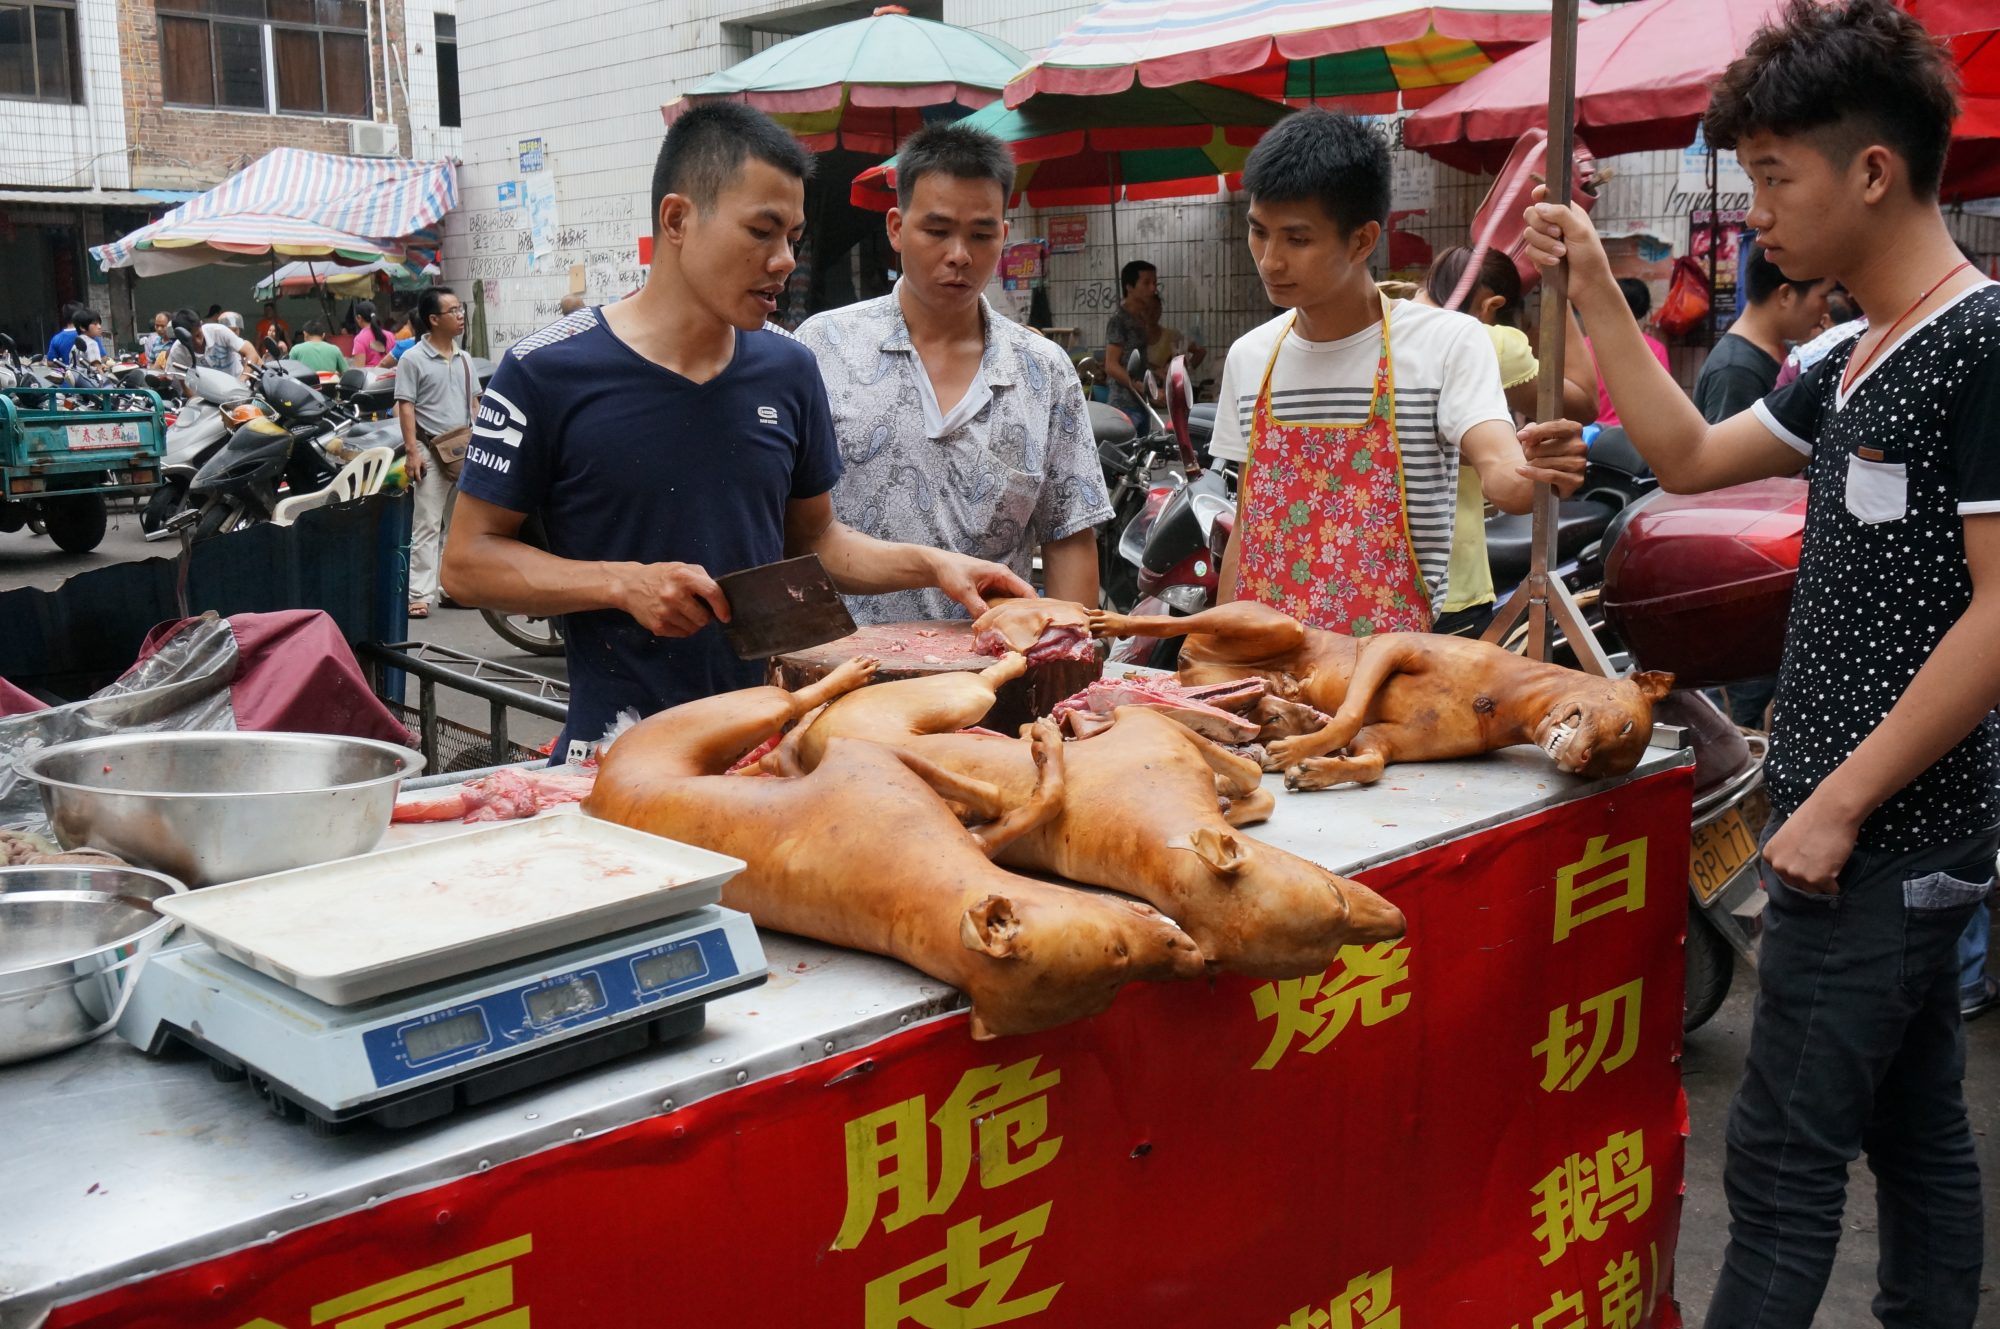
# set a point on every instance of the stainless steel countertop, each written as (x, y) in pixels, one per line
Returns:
(121, 1165)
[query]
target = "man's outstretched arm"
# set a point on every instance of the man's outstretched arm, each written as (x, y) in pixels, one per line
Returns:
(1688, 454)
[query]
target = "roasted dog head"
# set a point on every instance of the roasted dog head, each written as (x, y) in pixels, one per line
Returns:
(1600, 726)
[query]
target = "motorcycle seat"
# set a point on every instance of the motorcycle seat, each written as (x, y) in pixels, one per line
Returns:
(1509, 536)
(1108, 424)
(1613, 447)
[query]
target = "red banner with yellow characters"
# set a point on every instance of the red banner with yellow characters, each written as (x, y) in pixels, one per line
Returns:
(1479, 1127)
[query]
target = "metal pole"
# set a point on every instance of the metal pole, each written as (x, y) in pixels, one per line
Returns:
(1540, 595)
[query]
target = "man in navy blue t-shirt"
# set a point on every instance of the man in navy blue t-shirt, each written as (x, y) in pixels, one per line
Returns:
(671, 436)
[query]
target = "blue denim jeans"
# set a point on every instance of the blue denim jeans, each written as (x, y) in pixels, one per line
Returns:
(1972, 956)
(1857, 1047)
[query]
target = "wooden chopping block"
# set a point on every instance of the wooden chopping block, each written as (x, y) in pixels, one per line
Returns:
(906, 653)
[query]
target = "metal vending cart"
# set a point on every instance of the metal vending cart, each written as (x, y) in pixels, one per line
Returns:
(1481, 1124)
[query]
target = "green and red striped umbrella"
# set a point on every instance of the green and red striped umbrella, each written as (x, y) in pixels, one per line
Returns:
(1141, 143)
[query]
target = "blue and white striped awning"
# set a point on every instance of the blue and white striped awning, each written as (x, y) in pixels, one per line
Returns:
(297, 204)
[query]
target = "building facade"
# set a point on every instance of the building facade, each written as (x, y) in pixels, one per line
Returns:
(113, 111)
(563, 122)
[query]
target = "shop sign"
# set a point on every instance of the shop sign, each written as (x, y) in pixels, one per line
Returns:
(1069, 232)
(1479, 1124)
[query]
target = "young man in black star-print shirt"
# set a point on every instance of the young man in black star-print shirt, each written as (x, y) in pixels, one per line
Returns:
(1884, 763)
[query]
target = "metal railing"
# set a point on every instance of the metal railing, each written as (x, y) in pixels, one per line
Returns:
(502, 687)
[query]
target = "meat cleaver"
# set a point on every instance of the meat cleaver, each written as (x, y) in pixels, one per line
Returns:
(782, 607)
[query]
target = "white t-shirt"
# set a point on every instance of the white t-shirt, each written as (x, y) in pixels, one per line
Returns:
(1447, 381)
(221, 349)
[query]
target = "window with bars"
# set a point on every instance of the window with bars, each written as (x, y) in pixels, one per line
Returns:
(294, 57)
(38, 51)
(447, 63)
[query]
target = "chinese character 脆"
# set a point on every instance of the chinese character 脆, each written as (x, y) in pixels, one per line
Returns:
(1604, 881)
(1567, 1061)
(889, 1152)
(1318, 1007)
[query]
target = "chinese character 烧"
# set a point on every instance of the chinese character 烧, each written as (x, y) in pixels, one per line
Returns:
(963, 1264)
(1565, 1064)
(1604, 881)
(1368, 1302)
(889, 1152)
(1319, 1006)
(1580, 1195)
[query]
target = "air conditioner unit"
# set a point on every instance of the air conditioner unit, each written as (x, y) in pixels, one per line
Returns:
(370, 138)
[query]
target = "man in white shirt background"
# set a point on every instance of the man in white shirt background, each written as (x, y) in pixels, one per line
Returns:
(958, 429)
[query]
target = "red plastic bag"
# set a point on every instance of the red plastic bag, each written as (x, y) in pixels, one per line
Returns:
(1687, 299)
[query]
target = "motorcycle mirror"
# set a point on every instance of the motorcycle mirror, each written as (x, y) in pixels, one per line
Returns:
(1135, 363)
(184, 337)
(6, 343)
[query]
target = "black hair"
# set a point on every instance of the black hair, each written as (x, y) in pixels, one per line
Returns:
(1762, 279)
(1497, 274)
(1336, 160)
(1850, 73)
(187, 318)
(314, 328)
(214, 312)
(364, 309)
(83, 317)
(1638, 297)
(430, 305)
(708, 144)
(1128, 276)
(955, 150)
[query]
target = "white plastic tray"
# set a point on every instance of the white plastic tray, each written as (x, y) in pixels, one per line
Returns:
(360, 928)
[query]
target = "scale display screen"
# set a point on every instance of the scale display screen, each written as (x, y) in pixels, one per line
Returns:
(658, 971)
(577, 995)
(424, 1041)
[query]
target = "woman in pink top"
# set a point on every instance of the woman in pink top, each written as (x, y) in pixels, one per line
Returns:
(371, 345)
(1641, 301)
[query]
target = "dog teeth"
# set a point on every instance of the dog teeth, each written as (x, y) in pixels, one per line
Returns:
(1558, 736)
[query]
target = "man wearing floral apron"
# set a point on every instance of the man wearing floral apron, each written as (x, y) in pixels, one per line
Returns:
(1350, 413)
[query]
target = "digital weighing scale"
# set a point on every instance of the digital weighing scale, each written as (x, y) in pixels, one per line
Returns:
(410, 1056)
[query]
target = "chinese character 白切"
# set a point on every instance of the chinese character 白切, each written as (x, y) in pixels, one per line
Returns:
(1565, 1066)
(888, 1151)
(1615, 880)
(1574, 1202)
(475, 1289)
(1319, 1006)
(963, 1262)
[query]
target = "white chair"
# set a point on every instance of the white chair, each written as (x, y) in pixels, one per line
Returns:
(358, 479)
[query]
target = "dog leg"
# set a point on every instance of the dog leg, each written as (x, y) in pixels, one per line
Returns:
(1362, 764)
(1241, 631)
(1380, 659)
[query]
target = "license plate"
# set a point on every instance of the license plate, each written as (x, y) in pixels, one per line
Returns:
(85, 437)
(1720, 850)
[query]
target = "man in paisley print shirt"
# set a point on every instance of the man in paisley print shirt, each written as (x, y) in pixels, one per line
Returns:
(1884, 769)
(958, 429)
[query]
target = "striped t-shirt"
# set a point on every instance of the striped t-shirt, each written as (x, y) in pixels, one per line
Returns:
(1447, 381)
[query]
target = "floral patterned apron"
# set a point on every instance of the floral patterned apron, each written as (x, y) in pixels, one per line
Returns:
(1322, 518)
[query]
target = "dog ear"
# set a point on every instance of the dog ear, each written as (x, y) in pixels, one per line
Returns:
(1224, 853)
(1653, 684)
(990, 926)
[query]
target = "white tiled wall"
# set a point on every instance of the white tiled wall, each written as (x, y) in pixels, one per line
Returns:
(589, 77)
(429, 141)
(44, 145)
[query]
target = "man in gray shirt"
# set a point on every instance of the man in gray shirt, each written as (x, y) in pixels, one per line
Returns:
(435, 394)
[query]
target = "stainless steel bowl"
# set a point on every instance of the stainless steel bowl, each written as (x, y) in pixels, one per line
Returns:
(72, 942)
(216, 807)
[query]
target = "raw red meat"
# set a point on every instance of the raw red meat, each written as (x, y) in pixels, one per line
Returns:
(505, 795)
(1086, 712)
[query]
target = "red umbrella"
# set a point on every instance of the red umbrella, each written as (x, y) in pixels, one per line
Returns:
(1643, 75)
